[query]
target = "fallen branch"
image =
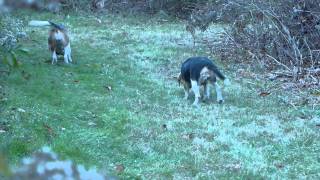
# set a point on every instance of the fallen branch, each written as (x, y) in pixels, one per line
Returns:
(314, 71)
(283, 65)
(4, 71)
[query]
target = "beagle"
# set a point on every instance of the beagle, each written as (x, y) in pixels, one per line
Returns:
(58, 41)
(200, 71)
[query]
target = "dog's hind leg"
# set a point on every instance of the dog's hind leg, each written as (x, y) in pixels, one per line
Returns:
(219, 93)
(54, 57)
(196, 90)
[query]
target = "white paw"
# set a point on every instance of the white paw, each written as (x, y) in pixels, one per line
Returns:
(227, 82)
(66, 60)
(54, 58)
(196, 105)
(205, 98)
(54, 61)
(220, 101)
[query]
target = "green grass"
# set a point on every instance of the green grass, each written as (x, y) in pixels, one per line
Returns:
(143, 121)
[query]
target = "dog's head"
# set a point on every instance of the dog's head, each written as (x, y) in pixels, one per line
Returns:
(206, 75)
(56, 35)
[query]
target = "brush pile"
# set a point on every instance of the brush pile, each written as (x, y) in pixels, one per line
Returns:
(283, 37)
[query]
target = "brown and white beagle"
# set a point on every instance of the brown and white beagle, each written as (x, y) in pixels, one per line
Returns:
(58, 41)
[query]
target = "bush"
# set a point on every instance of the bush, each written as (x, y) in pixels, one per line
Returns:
(276, 34)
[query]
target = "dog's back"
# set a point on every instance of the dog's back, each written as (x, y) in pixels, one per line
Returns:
(191, 68)
(200, 71)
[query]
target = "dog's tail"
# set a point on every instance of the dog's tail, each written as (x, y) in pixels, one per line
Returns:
(37, 23)
(216, 71)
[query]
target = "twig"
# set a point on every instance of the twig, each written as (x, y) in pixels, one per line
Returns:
(289, 103)
(238, 45)
(279, 62)
(310, 52)
(4, 71)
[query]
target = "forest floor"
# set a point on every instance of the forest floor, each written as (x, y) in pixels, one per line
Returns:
(118, 104)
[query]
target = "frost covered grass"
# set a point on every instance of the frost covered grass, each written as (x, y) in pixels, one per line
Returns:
(119, 104)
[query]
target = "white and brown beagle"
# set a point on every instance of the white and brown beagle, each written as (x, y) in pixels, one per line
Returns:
(200, 71)
(58, 41)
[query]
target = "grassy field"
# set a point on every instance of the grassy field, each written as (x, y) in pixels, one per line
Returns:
(118, 104)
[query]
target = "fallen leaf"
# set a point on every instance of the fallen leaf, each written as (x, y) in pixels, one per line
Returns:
(76, 81)
(124, 34)
(279, 166)
(119, 168)
(234, 167)
(98, 20)
(26, 75)
(21, 110)
(24, 50)
(317, 93)
(91, 124)
(263, 94)
(188, 136)
(68, 74)
(2, 131)
(49, 129)
(3, 99)
(109, 88)
(191, 136)
(304, 116)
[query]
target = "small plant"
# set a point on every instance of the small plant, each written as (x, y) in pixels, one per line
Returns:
(10, 58)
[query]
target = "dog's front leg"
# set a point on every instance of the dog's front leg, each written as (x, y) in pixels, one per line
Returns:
(196, 90)
(207, 92)
(54, 57)
(186, 92)
(67, 54)
(219, 93)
